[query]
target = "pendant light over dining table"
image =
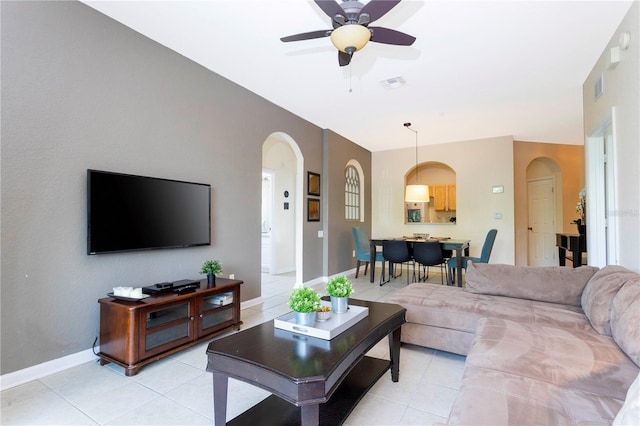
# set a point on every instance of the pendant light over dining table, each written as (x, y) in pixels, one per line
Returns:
(416, 193)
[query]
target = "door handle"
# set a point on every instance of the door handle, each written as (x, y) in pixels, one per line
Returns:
(530, 229)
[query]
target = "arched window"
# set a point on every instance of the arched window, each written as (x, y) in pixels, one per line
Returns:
(352, 194)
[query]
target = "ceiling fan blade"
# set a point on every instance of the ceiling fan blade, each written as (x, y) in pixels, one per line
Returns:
(330, 7)
(343, 58)
(307, 36)
(377, 8)
(389, 36)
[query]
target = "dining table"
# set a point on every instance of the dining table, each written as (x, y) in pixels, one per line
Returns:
(459, 247)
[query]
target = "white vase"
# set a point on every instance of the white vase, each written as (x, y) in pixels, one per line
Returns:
(339, 305)
(305, 318)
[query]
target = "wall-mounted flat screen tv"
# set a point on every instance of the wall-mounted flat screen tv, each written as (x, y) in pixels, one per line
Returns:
(127, 212)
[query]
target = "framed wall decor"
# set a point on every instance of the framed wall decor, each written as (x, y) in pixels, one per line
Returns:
(313, 183)
(313, 210)
(413, 215)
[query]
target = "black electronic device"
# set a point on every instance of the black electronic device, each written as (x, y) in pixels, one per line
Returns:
(158, 288)
(186, 288)
(128, 212)
(175, 286)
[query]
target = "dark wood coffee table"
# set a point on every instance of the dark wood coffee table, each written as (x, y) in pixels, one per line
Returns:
(312, 381)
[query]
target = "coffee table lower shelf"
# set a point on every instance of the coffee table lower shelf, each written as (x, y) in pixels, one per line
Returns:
(276, 411)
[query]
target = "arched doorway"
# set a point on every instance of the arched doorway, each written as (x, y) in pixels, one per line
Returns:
(283, 183)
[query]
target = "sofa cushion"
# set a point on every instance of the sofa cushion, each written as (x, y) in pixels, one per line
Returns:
(555, 284)
(456, 313)
(583, 360)
(629, 414)
(598, 295)
(489, 397)
(625, 317)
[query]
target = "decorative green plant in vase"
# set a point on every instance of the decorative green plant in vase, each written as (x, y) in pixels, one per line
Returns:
(339, 288)
(211, 268)
(304, 301)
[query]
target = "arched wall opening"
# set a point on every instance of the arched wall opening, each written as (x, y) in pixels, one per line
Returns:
(441, 179)
(283, 160)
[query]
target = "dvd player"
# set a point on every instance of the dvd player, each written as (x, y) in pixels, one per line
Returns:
(166, 287)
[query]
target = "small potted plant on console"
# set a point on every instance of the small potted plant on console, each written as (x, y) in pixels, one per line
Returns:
(304, 302)
(339, 288)
(211, 268)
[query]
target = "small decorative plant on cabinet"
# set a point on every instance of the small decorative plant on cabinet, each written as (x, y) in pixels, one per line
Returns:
(304, 302)
(211, 268)
(339, 288)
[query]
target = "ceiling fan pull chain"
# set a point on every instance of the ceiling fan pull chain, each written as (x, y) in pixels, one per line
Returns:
(350, 79)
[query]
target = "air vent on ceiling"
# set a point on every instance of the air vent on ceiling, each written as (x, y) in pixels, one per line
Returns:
(393, 82)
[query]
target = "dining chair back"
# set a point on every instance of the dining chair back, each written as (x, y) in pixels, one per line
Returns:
(363, 254)
(429, 254)
(487, 247)
(395, 251)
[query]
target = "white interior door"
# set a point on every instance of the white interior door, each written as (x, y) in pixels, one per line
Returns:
(267, 220)
(542, 228)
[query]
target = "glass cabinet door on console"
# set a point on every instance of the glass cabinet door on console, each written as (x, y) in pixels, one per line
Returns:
(216, 312)
(165, 326)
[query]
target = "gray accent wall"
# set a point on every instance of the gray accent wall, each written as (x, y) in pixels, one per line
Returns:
(79, 91)
(338, 240)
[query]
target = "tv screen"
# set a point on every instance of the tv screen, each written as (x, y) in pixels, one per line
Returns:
(127, 213)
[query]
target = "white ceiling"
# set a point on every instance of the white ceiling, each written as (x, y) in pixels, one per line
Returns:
(477, 69)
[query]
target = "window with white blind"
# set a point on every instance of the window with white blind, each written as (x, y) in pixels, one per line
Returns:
(352, 192)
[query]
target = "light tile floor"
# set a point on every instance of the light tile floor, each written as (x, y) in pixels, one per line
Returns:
(178, 391)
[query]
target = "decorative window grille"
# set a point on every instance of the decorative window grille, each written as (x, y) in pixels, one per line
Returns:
(351, 194)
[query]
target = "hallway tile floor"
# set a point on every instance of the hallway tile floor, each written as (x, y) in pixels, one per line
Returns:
(178, 391)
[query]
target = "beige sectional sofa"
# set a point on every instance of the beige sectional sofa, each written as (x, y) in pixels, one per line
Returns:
(549, 345)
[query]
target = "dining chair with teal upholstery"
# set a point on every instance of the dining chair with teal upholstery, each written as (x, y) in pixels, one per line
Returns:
(452, 264)
(361, 241)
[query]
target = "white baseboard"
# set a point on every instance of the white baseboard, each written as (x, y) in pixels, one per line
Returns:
(36, 372)
(250, 303)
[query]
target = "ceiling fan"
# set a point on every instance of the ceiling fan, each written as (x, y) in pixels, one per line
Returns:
(351, 30)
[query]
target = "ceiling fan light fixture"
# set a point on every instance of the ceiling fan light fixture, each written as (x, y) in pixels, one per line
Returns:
(350, 38)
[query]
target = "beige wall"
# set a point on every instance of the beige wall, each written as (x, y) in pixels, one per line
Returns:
(479, 165)
(569, 181)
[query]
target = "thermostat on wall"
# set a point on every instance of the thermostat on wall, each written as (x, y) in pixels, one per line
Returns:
(499, 189)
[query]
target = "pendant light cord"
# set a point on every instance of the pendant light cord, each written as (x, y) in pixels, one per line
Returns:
(408, 126)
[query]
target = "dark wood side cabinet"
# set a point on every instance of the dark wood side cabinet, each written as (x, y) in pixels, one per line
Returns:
(133, 334)
(571, 247)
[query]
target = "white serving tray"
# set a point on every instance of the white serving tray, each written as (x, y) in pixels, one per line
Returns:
(328, 329)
